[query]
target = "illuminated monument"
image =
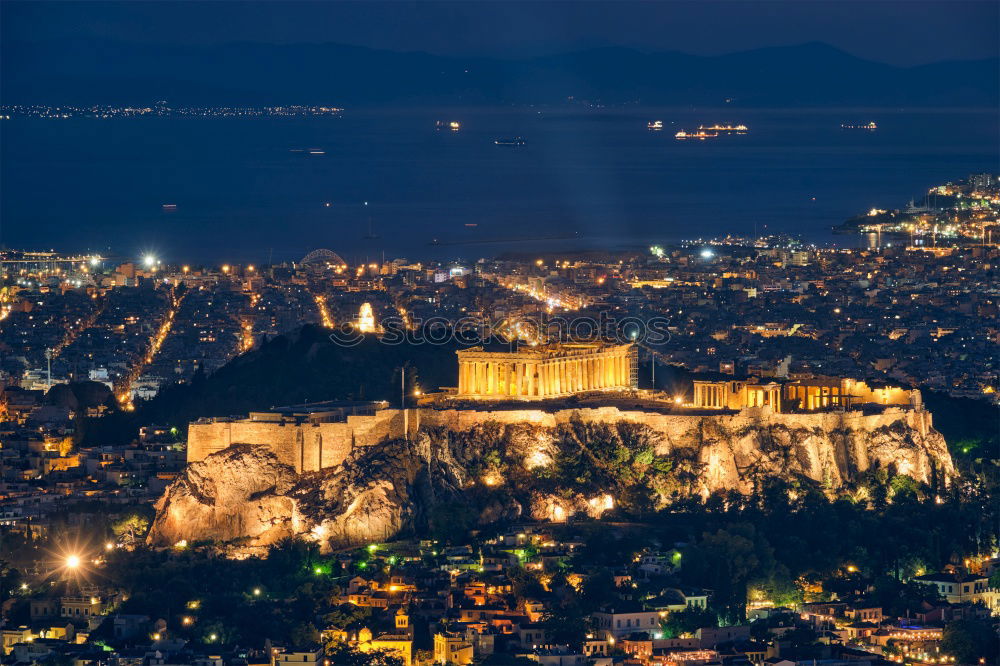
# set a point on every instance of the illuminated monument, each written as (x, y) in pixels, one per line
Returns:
(366, 319)
(552, 371)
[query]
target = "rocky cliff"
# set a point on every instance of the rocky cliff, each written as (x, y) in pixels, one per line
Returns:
(506, 468)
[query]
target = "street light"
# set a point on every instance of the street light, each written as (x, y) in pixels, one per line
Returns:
(149, 260)
(72, 561)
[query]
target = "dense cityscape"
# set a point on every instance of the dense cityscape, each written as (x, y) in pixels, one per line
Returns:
(576, 334)
(88, 336)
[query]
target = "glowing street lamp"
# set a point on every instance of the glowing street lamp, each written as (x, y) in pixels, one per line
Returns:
(149, 261)
(72, 561)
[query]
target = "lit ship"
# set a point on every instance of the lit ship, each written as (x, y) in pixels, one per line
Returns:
(515, 141)
(728, 129)
(700, 134)
(866, 126)
(655, 125)
(452, 125)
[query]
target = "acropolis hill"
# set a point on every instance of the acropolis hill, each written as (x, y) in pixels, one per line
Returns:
(348, 473)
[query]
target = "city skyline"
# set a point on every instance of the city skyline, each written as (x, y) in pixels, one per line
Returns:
(500, 333)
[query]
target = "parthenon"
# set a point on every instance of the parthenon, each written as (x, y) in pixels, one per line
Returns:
(544, 372)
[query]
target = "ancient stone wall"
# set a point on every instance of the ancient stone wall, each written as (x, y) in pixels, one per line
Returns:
(306, 446)
(830, 446)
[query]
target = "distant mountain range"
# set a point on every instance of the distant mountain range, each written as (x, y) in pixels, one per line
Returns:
(813, 74)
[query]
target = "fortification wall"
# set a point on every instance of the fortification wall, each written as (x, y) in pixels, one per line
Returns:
(304, 446)
(826, 445)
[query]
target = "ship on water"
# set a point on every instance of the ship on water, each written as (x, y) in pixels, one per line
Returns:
(859, 126)
(452, 125)
(654, 125)
(699, 134)
(724, 129)
(509, 141)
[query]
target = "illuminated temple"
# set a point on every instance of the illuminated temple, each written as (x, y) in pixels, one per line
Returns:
(814, 394)
(551, 371)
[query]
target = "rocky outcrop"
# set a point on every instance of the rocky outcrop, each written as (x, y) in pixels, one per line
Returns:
(498, 471)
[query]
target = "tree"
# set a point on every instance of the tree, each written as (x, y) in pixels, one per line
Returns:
(688, 621)
(725, 559)
(969, 641)
(345, 656)
(10, 578)
(131, 527)
(566, 626)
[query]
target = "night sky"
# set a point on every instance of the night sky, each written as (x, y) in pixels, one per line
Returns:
(897, 32)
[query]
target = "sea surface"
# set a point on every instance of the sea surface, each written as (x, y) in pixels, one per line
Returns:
(387, 183)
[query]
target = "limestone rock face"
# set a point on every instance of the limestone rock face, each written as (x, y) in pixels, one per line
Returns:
(240, 492)
(245, 493)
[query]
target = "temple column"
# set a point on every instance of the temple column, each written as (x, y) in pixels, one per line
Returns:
(463, 377)
(491, 372)
(480, 378)
(519, 386)
(530, 380)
